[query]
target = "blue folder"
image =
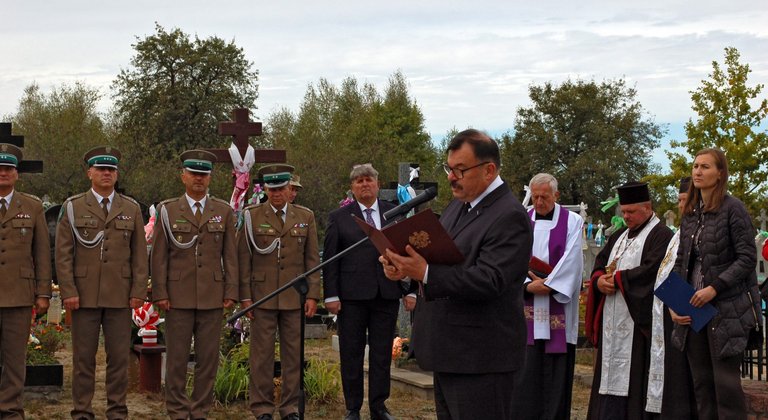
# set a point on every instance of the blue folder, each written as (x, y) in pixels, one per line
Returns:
(676, 293)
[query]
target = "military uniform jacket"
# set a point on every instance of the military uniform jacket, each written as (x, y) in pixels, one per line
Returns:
(109, 274)
(25, 252)
(261, 274)
(205, 273)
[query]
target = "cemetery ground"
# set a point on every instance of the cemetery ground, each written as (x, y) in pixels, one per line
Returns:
(151, 406)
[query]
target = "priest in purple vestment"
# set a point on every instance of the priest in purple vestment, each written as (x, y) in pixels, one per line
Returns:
(551, 307)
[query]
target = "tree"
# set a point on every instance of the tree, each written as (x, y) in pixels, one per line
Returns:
(590, 136)
(728, 120)
(172, 99)
(339, 126)
(59, 128)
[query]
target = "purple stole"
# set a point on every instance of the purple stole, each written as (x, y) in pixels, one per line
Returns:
(558, 237)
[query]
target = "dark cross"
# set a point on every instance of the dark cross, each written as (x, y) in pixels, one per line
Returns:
(242, 128)
(403, 177)
(28, 166)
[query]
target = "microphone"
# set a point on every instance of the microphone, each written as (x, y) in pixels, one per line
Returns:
(422, 198)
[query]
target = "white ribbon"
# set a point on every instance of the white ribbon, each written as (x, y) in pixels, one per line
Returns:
(241, 170)
(527, 198)
(414, 174)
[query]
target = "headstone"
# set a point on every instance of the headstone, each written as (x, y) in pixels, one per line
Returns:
(763, 218)
(669, 216)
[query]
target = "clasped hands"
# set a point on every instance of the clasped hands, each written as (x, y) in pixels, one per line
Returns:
(606, 284)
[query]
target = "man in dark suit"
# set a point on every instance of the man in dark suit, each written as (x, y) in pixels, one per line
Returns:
(469, 326)
(370, 301)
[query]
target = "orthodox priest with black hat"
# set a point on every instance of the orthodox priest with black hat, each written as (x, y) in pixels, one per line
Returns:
(619, 308)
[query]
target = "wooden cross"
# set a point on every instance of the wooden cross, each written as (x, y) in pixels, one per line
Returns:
(242, 128)
(28, 166)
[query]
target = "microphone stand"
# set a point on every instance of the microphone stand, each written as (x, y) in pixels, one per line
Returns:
(300, 285)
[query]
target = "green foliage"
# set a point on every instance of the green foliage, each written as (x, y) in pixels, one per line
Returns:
(591, 136)
(339, 126)
(45, 340)
(172, 99)
(58, 128)
(729, 116)
(322, 381)
(232, 377)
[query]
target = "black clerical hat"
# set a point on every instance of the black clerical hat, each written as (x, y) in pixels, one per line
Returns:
(633, 192)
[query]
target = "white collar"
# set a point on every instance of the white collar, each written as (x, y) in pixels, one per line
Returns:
(191, 201)
(496, 183)
(99, 198)
(374, 207)
(8, 199)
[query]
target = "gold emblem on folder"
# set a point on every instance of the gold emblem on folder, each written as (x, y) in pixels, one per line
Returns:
(419, 239)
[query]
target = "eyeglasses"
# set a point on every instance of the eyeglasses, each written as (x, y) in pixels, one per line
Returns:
(459, 173)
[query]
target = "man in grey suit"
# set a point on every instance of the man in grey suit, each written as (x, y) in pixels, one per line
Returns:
(469, 326)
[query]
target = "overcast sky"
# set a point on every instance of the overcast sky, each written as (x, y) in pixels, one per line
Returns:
(468, 63)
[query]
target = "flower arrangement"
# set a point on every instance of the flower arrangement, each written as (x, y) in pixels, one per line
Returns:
(348, 199)
(399, 350)
(44, 341)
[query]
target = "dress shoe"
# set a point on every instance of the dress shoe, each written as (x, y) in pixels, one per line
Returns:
(352, 415)
(264, 417)
(292, 416)
(381, 414)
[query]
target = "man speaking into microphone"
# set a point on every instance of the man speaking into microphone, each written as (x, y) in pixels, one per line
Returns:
(469, 327)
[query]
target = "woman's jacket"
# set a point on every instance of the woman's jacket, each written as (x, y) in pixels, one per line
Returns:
(729, 257)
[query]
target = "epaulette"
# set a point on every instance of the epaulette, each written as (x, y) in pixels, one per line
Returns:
(166, 201)
(299, 206)
(131, 199)
(219, 200)
(34, 197)
(64, 204)
(73, 198)
(252, 206)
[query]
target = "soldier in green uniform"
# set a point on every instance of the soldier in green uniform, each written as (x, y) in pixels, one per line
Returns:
(277, 242)
(101, 264)
(194, 275)
(25, 277)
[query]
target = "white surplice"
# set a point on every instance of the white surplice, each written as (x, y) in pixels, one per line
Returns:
(565, 278)
(618, 326)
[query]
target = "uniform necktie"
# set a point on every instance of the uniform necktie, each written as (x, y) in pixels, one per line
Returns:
(198, 211)
(279, 215)
(3, 207)
(104, 203)
(368, 218)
